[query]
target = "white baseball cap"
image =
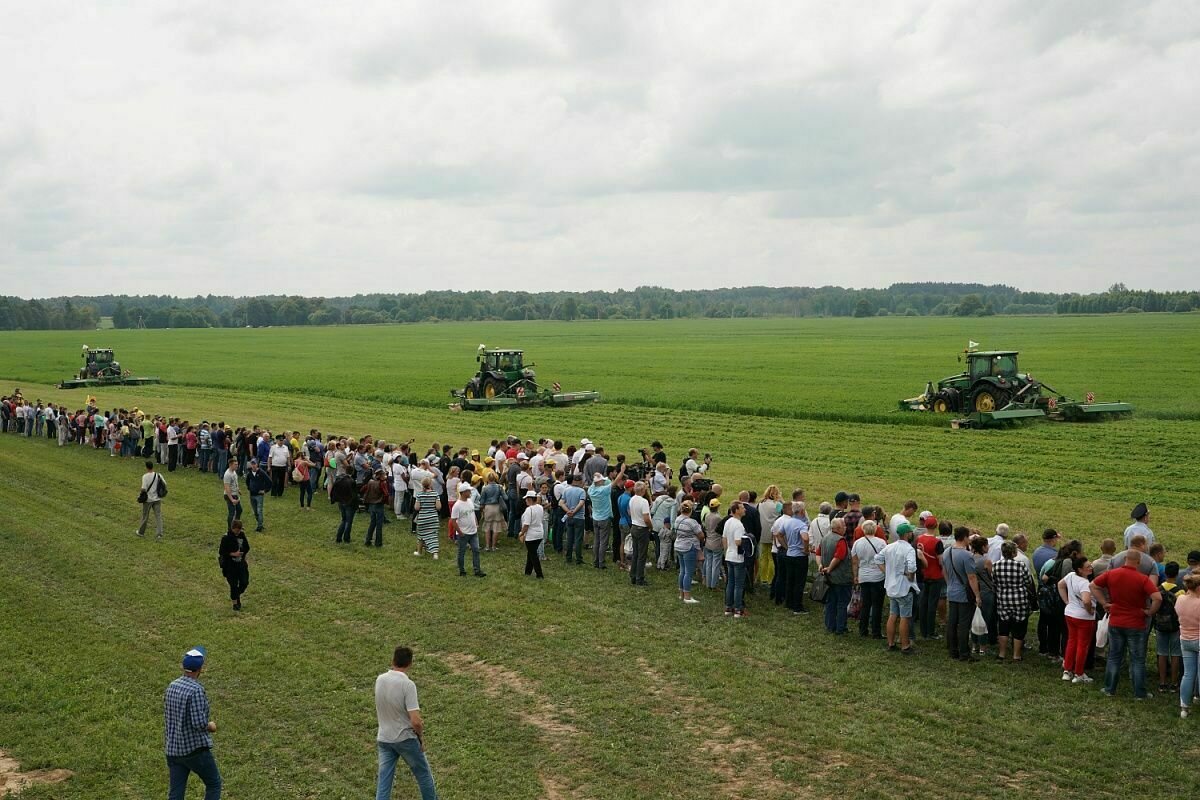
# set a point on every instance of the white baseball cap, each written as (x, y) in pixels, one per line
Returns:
(530, 493)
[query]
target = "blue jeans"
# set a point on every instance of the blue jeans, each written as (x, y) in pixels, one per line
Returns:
(375, 528)
(256, 503)
(836, 600)
(470, 540)
(410, 751)
(347, 523)
(687, 567)
(735, 585)
(1191, 660)
(200, 762)
(575, 538)
(235, 512)
(1120, 640)
(222, 462)
(204, 455)
(514, 516)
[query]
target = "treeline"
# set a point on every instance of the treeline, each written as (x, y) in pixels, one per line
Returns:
(647, 302)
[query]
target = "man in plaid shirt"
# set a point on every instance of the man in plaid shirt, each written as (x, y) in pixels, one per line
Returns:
(186, 731)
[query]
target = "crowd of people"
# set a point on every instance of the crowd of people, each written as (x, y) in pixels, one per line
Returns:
(905, 578)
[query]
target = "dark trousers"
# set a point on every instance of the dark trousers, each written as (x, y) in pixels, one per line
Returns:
(172, 457)
(870, 614)
(958, 629)
(928, 602)
(1052, 634)
(532, 562)
(344, 527)
(235, 512)
(238, 576)
(515, 508)
(306, 491)
(779, 582)
(278, 480)
(200, 762)
(795, 570)
(641, 542)
(375, 528)
(575, 539)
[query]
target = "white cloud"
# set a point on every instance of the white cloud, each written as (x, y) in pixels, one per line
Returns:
(270, 147)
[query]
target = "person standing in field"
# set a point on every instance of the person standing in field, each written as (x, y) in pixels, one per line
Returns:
(602, 517)
(154, 488)
(233, 551)
(532, 533)
(869, 578)
(257, 484)
(640, 525)
(303, 467)
(1080, 615)
(898, 563)
(187, 731)
(427, 505)
(1187, 609)
(962, 591)
(689, 538)
(1012, 581)
(1132, 600)
(463, 514)
(280, 457)
(836, 566)
(233, 497)
(341, 491)
(401, 728)
(733, 532)
(374, 495)
(573, 503)
(1141, 525)
(494, 506)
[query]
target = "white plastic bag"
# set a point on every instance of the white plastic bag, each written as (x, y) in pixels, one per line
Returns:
(1102, 633)
(979, 624)
(628, 546)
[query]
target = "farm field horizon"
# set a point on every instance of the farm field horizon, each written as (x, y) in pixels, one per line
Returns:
(581, 686)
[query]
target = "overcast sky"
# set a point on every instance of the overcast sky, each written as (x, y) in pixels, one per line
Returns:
(262, 147)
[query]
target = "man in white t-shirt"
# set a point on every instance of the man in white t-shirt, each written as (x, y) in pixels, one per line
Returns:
(463, 514)
(279, 458)
(994, 543)
(869, 579)
(532, 533)
(732, 535)
(910, 508)
(399, 484)
(400, 728)
(640, 526)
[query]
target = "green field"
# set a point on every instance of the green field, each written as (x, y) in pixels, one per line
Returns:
(580, 686)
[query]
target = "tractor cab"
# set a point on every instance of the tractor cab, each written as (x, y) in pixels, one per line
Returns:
(99, 363)
(502, 360)
(997, 364)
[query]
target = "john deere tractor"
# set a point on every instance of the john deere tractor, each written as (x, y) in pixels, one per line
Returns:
(100, 368)
(505, 380)
(992, 391)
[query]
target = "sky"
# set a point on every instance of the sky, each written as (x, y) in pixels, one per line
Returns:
(328, 149)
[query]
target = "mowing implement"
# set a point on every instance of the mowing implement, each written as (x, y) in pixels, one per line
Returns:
(992, 393)
(505, 381)
(101, 369)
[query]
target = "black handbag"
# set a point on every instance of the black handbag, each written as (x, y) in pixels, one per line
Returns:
(820, 588)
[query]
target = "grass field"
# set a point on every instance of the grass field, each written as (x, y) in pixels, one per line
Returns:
(579, 686)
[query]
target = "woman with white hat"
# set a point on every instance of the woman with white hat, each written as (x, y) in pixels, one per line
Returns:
(532, 532)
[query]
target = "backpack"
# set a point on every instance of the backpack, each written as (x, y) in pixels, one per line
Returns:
(162, 488)
(1049, 600)
(1165, 619)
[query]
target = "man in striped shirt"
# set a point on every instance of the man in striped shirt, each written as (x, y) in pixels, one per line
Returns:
(187, 730)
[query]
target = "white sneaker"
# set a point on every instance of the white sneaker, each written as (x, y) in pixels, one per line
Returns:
(691, 601)
(1081, 679)
(1067, 676)
(416, 552)
(435, 555)
(1183, 712)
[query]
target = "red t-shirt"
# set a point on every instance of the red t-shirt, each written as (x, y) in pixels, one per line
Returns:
(1128, 590)
(842, 550)
(933, 565)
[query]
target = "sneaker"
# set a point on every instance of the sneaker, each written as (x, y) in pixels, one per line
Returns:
(1183, 712)
(729, 612)
(139, 533)
(435, 556)
(462, 573)
(908, 651)
(481, 574)
(744, 613)
(1067, 676)
(1146, 696)
(1082, 679)
(893, 647)
(416, 552)
(1106, 692)
(691, 601)
(737, 615)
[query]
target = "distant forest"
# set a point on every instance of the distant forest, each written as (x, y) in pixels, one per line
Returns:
(647, 302)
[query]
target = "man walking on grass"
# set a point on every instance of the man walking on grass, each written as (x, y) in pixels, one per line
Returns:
(187, 731)
(400, 728)
(258, 483)
(154, 489)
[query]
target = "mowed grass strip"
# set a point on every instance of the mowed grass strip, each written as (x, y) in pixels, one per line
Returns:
(831, 369)
(578, 685)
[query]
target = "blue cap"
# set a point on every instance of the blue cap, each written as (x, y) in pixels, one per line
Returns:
(193, 659)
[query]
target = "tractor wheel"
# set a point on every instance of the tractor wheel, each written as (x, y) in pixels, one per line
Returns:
(989, 399)
(471, 391)
(492, 387)
(940, 405)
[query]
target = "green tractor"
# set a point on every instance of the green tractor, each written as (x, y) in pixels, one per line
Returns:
(504, 379)
(992, 391)
(100, 368)
(499, 372)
